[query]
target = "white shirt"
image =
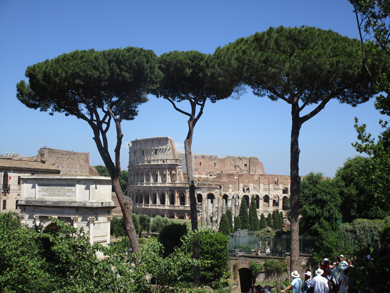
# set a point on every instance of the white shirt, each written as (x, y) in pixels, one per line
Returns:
(320, 284)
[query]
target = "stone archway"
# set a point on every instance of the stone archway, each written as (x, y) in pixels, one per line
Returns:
(245, 279)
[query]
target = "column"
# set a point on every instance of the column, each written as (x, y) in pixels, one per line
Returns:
(203, 211)
(75, 220)
(213, 214)
(168, 176)
(109, 218)
(91, 225)
(208, 213)
(219, 211)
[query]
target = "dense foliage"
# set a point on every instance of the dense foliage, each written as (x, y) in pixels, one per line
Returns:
(319, 204)
(253, 220)
(158, 223)
(170, 237)
(224, 225)
(243, 214)
(32, 261)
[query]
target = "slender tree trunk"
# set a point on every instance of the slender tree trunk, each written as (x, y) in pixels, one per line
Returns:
(191, 185)
(295, 186)
(114, 170)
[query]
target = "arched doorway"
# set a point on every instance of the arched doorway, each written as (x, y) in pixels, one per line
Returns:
(257, 199)
(225, 199)
(275, 201)
(182, 199)
(246, 197)
(211, 196)
(199, 198)
(245, 279)
(285, 203)
(266, 200)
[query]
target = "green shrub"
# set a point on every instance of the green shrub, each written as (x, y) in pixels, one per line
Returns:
(170, 237)
(385, 234)
(159, 223)
(256, 268)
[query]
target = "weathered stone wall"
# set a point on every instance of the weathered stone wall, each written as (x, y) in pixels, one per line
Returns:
(70, 163)
(243, 262)
(211, 165)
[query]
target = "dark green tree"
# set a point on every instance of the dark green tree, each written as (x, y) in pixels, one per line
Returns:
(303, 67)
(275, 219)
(253, 220)
(230, 218)
(243, 214)
(359, 188)
(193, 77)
(117, 227)
(159, 223)
(170, 237)
(224, 225)
(144, 222)
(135, 220)
(263, 222)
(319, 204)
(100, 88)
(269, 220)
(237, 223)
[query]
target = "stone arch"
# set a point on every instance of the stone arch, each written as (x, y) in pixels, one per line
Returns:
(199, 198)
(266, 200)
(285, 190)
(51, 227)
(245, 279)
(211, 196)
(172, 199)
(182, 199)
(225, 198)
(275, 201)
(146, 198)
(182, 217)
(162, 198)
(285, 203)
(154, 198)
(257, 199)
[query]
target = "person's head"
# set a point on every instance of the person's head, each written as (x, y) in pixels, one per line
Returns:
(341, 257)
(350, 262)
(319, 272)
(307, 275)
(295, 274)
(326, 261)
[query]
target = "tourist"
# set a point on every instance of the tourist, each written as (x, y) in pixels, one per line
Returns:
(350, 263)
(308, 284)
(343, 264)
(325, 267)
(344, 282)
(267, 250)
(320, 283)
(296, 283)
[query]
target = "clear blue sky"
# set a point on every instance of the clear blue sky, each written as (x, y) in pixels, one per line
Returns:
(33, 31)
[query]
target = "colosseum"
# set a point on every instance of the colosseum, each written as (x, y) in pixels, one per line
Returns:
(158, 185)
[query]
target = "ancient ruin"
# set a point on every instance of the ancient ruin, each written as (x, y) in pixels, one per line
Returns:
(158, 183)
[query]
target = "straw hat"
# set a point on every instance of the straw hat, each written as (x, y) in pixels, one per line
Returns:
(319, 272)
(295, 274)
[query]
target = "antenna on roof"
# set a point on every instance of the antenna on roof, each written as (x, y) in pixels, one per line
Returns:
(44, 144)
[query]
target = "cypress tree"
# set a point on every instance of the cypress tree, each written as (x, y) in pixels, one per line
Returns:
(230, 218)
(243, 214)
(269, 219)
(237, 223)
(275, 219)
(224, 225)
(253, 220)
(263, 222)
(281, 219)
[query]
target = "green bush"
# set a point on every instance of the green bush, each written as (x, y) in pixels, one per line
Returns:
(256, 268)
(159, 223)
(224, 225)
(170, 237)
(385, 234)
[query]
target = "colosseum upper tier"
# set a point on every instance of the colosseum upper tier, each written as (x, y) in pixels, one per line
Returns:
(158, 183)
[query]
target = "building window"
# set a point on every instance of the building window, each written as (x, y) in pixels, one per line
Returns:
(4, 204)
(200, 163)
(143, 153)
(19, 180)
(16, 204)
(155, 152)
(215, 164)
(134, 153)
(245, 165)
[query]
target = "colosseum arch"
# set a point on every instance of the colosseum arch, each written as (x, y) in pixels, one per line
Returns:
(266, 200)
(257, 199)
(211, 196)
(275, 201)
(162, 198)
(146, 198)
(182, 199)
(199, 198)
(225, 198)
(154, 198)
(172, 199)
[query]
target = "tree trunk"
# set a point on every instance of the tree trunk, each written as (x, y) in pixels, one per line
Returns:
(191, 185)
(113, 170)
(295, 186)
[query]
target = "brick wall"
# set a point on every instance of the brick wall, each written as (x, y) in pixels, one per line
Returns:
(70, 163)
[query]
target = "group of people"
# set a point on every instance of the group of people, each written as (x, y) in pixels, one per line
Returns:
(329, 278)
